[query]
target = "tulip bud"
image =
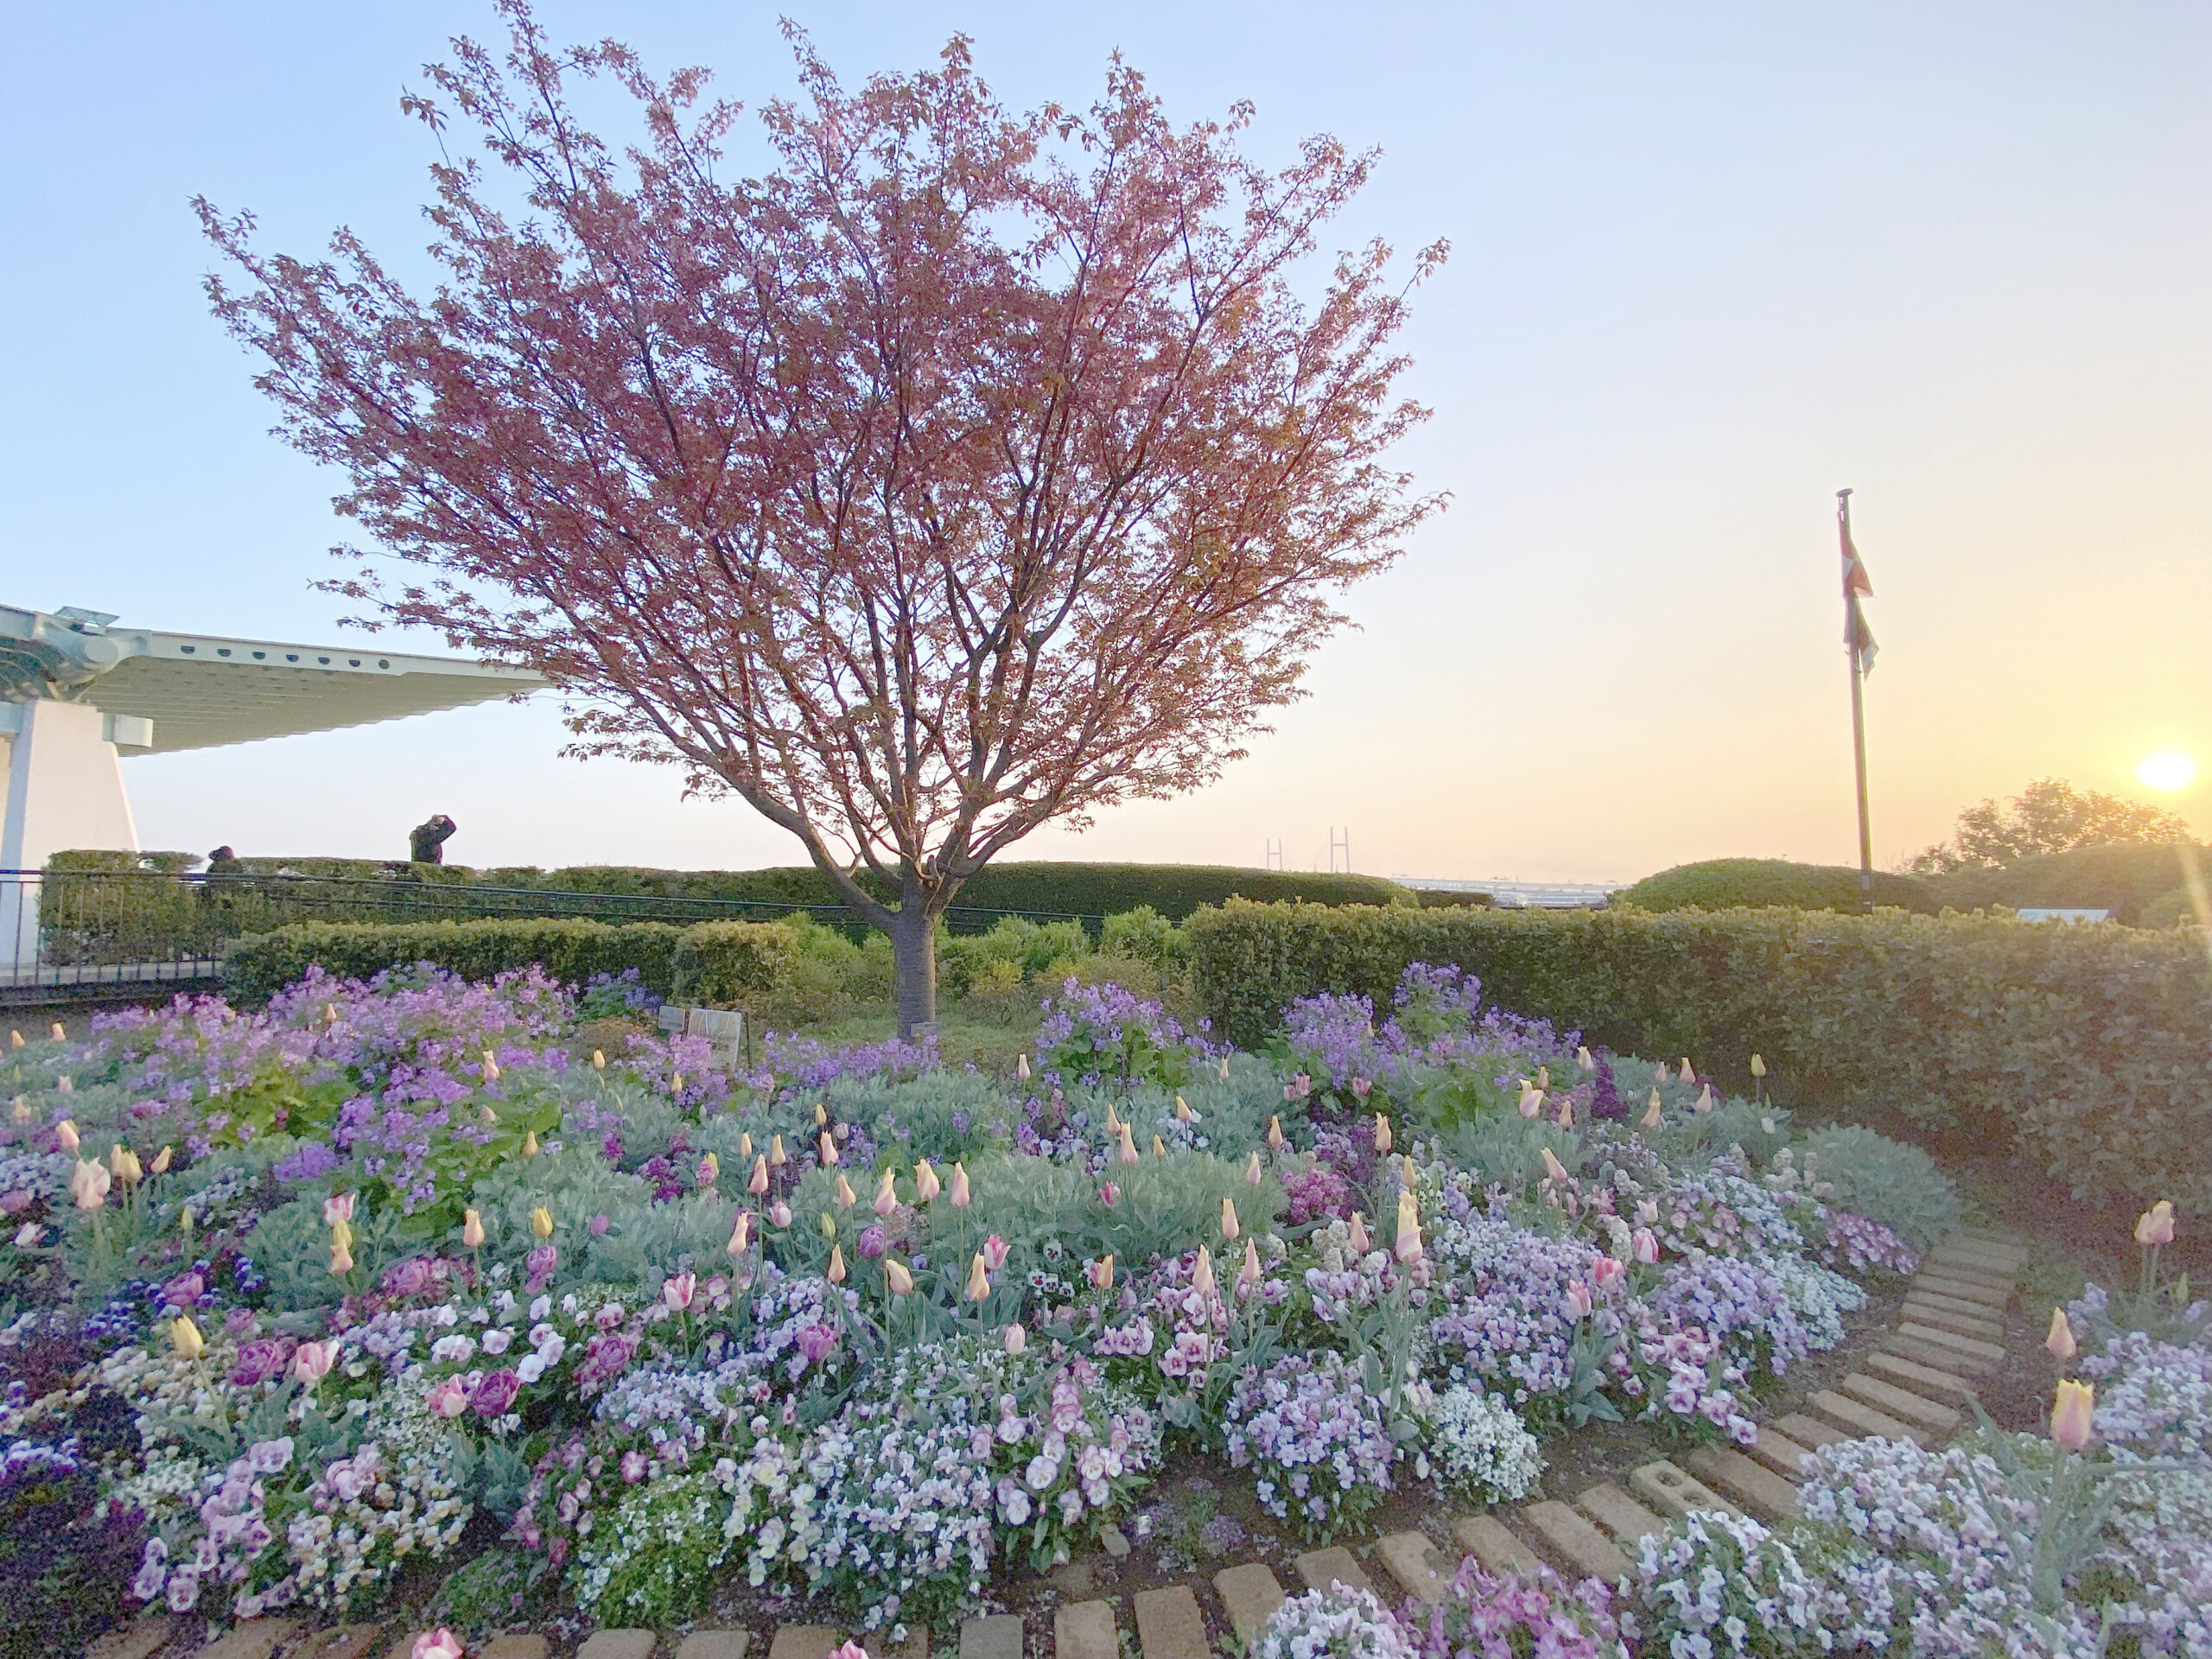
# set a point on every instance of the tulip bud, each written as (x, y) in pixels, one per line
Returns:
(1201, 1275)
(88, 1184)
(60, 1035)
(741, 1237)
(1662, 1075)
(1224, 1068)
(1022, 1067)
(1356, 1234)
(1582, 1060)
(776, 1159)
(184, 1221)
(1274, 1134)
(1229, 1226)
(926, 1184)
(828, 1148)
(1407, 1174)
(1544, 1078)
(486, 1116)
(1566, 1114)
(1128, 1145)
(821, 1115)
(1532, 1099)
(1651, 1112)
(21, 1111)
(1113, 1122)
(758, 1187)
(1382, 1132)
(1253, 1173)
(1758, 1067)
(1159, 1150)
(886, 1196)
(836, 1273)
(960, 1195)
(1183, 1112)
(1102, 1274)
(599, 1059)
(828, 1225)
(341, 1261)
(1704, 1099)
(529, 1144)
(123, 1164)
(978, 1282)
(541, 1221)
(1553, 1170)
(895, 1274)
(161, 1164)
(675, 1084)
(2072, 1416)
(1016, 1339)
(185, 1337)
(745, 1146)
(1408, 1246)
(779, 1215)
(491, 1067)
(1250, 1273)
(846, 1197)
(472, 1229)
(1645, 1245)
(2155, 1224)
(2061, 1339)
(341, 1233)
(1689, 1071)
(65, 1132)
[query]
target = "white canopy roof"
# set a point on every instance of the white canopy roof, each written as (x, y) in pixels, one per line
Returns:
(202, 690)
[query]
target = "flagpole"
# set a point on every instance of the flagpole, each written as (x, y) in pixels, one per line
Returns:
(1851, 652)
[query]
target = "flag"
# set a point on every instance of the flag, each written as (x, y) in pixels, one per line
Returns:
(1857, 638)
(1855, 580)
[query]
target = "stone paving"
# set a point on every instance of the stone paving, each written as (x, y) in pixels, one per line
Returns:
(1914, 1387)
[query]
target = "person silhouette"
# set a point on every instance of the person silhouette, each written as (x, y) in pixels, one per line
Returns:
(426, 842)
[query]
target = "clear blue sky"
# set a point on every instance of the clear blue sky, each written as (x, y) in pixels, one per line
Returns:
(1711, 262)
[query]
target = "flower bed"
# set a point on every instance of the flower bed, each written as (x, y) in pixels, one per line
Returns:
(333, 1285)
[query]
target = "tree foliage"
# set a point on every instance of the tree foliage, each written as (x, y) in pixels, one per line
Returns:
(964, 471)
(2049, 816)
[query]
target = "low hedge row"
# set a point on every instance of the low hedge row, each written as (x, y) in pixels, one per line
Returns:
(2083, 1044)
(1756, 883)
(714, 962)
(2140, 884)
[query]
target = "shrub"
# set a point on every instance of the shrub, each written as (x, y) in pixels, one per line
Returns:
(1738, 883)
(572, 951)
(734, 963)
(2083, 1043)
(1146, 935)
(2137, 883)
(1884, 1180)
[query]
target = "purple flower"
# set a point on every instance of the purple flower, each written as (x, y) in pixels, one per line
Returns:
(184, 1291)
(494, 1394)
(599, 1224)
(818, 1342)
(262, 1361)
(872, 1242)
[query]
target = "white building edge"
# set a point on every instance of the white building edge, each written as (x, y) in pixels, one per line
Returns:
(78, 693)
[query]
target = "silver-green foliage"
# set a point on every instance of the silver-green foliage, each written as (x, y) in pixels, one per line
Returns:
(1884, 1180)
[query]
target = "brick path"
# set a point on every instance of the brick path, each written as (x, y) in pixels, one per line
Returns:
(1913, 1388)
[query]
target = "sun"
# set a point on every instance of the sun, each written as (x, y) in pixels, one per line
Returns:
(2168, 769)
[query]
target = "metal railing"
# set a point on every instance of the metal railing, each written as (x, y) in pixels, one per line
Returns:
(66, 934)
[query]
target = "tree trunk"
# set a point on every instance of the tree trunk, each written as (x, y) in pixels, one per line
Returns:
(913, 950)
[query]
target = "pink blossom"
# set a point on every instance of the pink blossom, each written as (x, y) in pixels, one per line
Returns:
(678, 1291)
(449, 1399)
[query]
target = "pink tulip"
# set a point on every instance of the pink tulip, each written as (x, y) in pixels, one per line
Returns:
(441, 1644)
(779, 1214)
(2061, 1340)
(678, 1291)
(2073, 1417)
(449, 1399)
(1017, 1339)
(1109, 1194)
(926, 1185)
(994, 1252)
(1644, 1245)
(960, 1196)
(1607, 1273)
(337, 1208)
(1577, 1300)
(311, 1361)
(758, 1187)
(2155, 1224)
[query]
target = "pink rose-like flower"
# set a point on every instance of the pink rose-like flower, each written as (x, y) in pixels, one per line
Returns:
(262, 1361)
(411, 1278)
(494, 1394)
(541, 1261)
(678, 1291)
(337, 1208)
(994, 1252)
(441, 1644)
(240, 1322)
(633, 1466)
(818, 1342)
(449, 1399)
(311, 1361)
(184, 1291)
(1109, 1194)
(850, 1650)
(872, 1243)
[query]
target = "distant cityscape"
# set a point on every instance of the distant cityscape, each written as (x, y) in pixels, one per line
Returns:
(1511, 894)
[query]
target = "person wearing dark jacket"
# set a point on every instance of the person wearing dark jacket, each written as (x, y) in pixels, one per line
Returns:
(426, 842)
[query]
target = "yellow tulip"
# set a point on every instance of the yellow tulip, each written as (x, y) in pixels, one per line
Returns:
(1250, 1273)
(1229, 1226)
(491, 1067)
(161, 1164)
(745, 1146)
(1758, 1067)
(1408, 1246)
(1567, 1115)
(1407, 1175)
(472, 1229)
(2072, 1416)
(2061, 1339)
(1651, 1112)
(65, 1132)
(886, 1195)
(1201, 1275)
(1274, 1134)
(1102, 1272)
(1553, 1170)
(184, 1221)
(341, 1235)
(1689, 1071)
(828, 1225)
(599, 1059)
(1128, 1145)
(758, 1187)
(185, 1337)
(1183, 1112)
(979, 1280)
(2155, 1224)
(123, 1164)
(341, 1261)
(846, 1197)
(895, 1274)
(1544, 1078)
(1253, 1173)
(21, 1111)
(741, 1237)
(541, 1221)
(1158, 1149)
(821, 1115)
(529, 1144)
(926, 1185)
(776, 1159)
(1382, 1132)
(959, 1195)
(828, 1151)
(836, 1275)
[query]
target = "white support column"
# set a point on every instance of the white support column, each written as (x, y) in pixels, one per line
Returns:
(64, 791)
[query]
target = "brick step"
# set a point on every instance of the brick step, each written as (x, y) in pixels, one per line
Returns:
(1335, 1565)
(1674, 1491)
(732, 1645)
(1959, 1307)
(1987, 1236)
(1249, 1594)
(1766, 1493)
(1411, 1558)
(1862, 1419)
(1486, 1539)
(2005, 1258)
(1901, 1403)
(620, 1645)
(1966, 1348)
(1929, 1382)
(1620, 1515)
(991, 1636)
(1779, 1453)
(802, 1641)
(1810, 1432)
(1959, 1264)
(1084, 1630)
(1995, 1297)
(1941, 1359)
(1589, 1551)
(521, 1644)
(253, 1638)
(1170, 1625)
(1963, 1324)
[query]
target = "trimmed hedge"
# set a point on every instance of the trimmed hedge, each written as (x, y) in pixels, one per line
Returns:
(2085, 1046)
(1756, 883)
(572, 950)
(740, 962)
(2128, 879)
